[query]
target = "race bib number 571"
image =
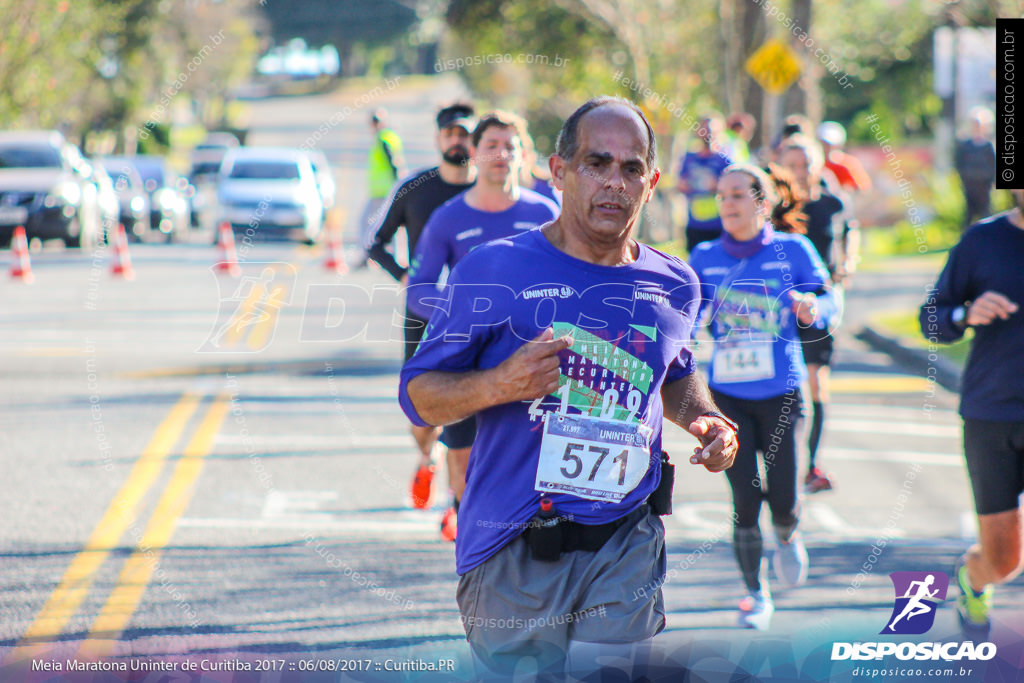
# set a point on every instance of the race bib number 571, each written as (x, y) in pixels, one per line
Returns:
(592, 458)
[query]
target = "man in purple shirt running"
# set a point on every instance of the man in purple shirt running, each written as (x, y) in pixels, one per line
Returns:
(569, 344)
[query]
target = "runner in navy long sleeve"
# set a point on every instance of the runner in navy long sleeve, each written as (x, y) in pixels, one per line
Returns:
(493, 208)
(981, 287)
(569, 344)
(411, 203)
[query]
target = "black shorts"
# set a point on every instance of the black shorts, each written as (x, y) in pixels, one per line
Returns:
(461, 434)
(817, 345)
(995, 462)
(415, 326)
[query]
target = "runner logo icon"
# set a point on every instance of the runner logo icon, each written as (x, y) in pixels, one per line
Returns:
(917, 595)
(249, 309)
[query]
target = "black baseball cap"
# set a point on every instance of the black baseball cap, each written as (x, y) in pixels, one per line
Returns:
(457, 115)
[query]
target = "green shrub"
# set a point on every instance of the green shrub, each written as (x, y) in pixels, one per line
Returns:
(158, 140)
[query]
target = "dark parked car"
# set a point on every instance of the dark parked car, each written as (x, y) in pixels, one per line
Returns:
(43, 188)
(169, 193)
(131, 194)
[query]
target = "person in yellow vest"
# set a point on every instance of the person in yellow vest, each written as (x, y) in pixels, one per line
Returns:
(384, 166)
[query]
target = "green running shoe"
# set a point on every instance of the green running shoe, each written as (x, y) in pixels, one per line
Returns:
(972, 608)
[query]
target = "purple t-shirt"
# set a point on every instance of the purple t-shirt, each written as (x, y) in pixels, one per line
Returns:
(456, 228)
(702, 173)
(631, 326)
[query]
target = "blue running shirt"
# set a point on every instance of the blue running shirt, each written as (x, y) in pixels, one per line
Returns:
(757, 351)
(631, 326)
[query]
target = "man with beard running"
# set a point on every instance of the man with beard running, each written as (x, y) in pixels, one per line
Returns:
(411, 204)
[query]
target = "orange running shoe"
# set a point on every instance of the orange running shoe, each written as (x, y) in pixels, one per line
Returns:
(421, 484)
(816, 481)
(450, 525)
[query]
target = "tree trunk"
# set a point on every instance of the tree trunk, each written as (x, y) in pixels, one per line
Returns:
(753, 32)
(794, 100)
(743, 30)
(732, 52)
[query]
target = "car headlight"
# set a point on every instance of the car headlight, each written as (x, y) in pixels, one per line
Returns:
(168, 200)
(137, 204)
(65, 193)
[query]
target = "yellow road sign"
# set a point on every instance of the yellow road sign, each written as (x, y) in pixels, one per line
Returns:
(775, 66)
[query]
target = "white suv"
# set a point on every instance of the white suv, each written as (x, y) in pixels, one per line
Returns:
(270, 190)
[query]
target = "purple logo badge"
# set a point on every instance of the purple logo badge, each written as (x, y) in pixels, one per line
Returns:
(917, 595)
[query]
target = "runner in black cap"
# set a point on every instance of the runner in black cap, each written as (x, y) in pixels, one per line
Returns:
(411, 203)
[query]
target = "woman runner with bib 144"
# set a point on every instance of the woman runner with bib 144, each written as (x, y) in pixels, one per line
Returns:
(757, 287)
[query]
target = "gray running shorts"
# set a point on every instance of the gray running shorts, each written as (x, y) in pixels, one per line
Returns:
(513, 606)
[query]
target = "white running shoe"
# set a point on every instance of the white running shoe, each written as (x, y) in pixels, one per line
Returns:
(791, 561)
(756, 610)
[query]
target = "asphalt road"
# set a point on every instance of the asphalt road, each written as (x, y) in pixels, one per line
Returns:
(200, 464)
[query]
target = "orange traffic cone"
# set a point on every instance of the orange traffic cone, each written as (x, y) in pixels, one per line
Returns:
(21, 265)
(335, 256)
(228, 256)
(122, 264)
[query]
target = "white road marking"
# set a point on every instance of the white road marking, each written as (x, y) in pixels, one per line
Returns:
(894, 413)
(350, 525)
(878, 454)
(288, 504)
(338, 441)
(936, 430)
(712, 521)
(704, 521)
(830, 520)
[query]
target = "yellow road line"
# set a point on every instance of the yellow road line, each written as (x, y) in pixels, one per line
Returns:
(67, 597)
(261, 330)
(139, 569)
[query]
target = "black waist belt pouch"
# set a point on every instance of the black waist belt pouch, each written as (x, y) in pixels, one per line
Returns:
(661, 500)
(549, 540)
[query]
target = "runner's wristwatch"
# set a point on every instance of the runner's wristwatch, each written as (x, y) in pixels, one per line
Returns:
(714, 413)
(959, 317)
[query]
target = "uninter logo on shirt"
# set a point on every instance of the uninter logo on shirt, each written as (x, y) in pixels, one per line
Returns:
(655, 297)
(549, 293)
(524, 225)
(466, 234)
(775, 265)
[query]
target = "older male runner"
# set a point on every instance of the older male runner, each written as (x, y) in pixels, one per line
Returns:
(569, 344)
